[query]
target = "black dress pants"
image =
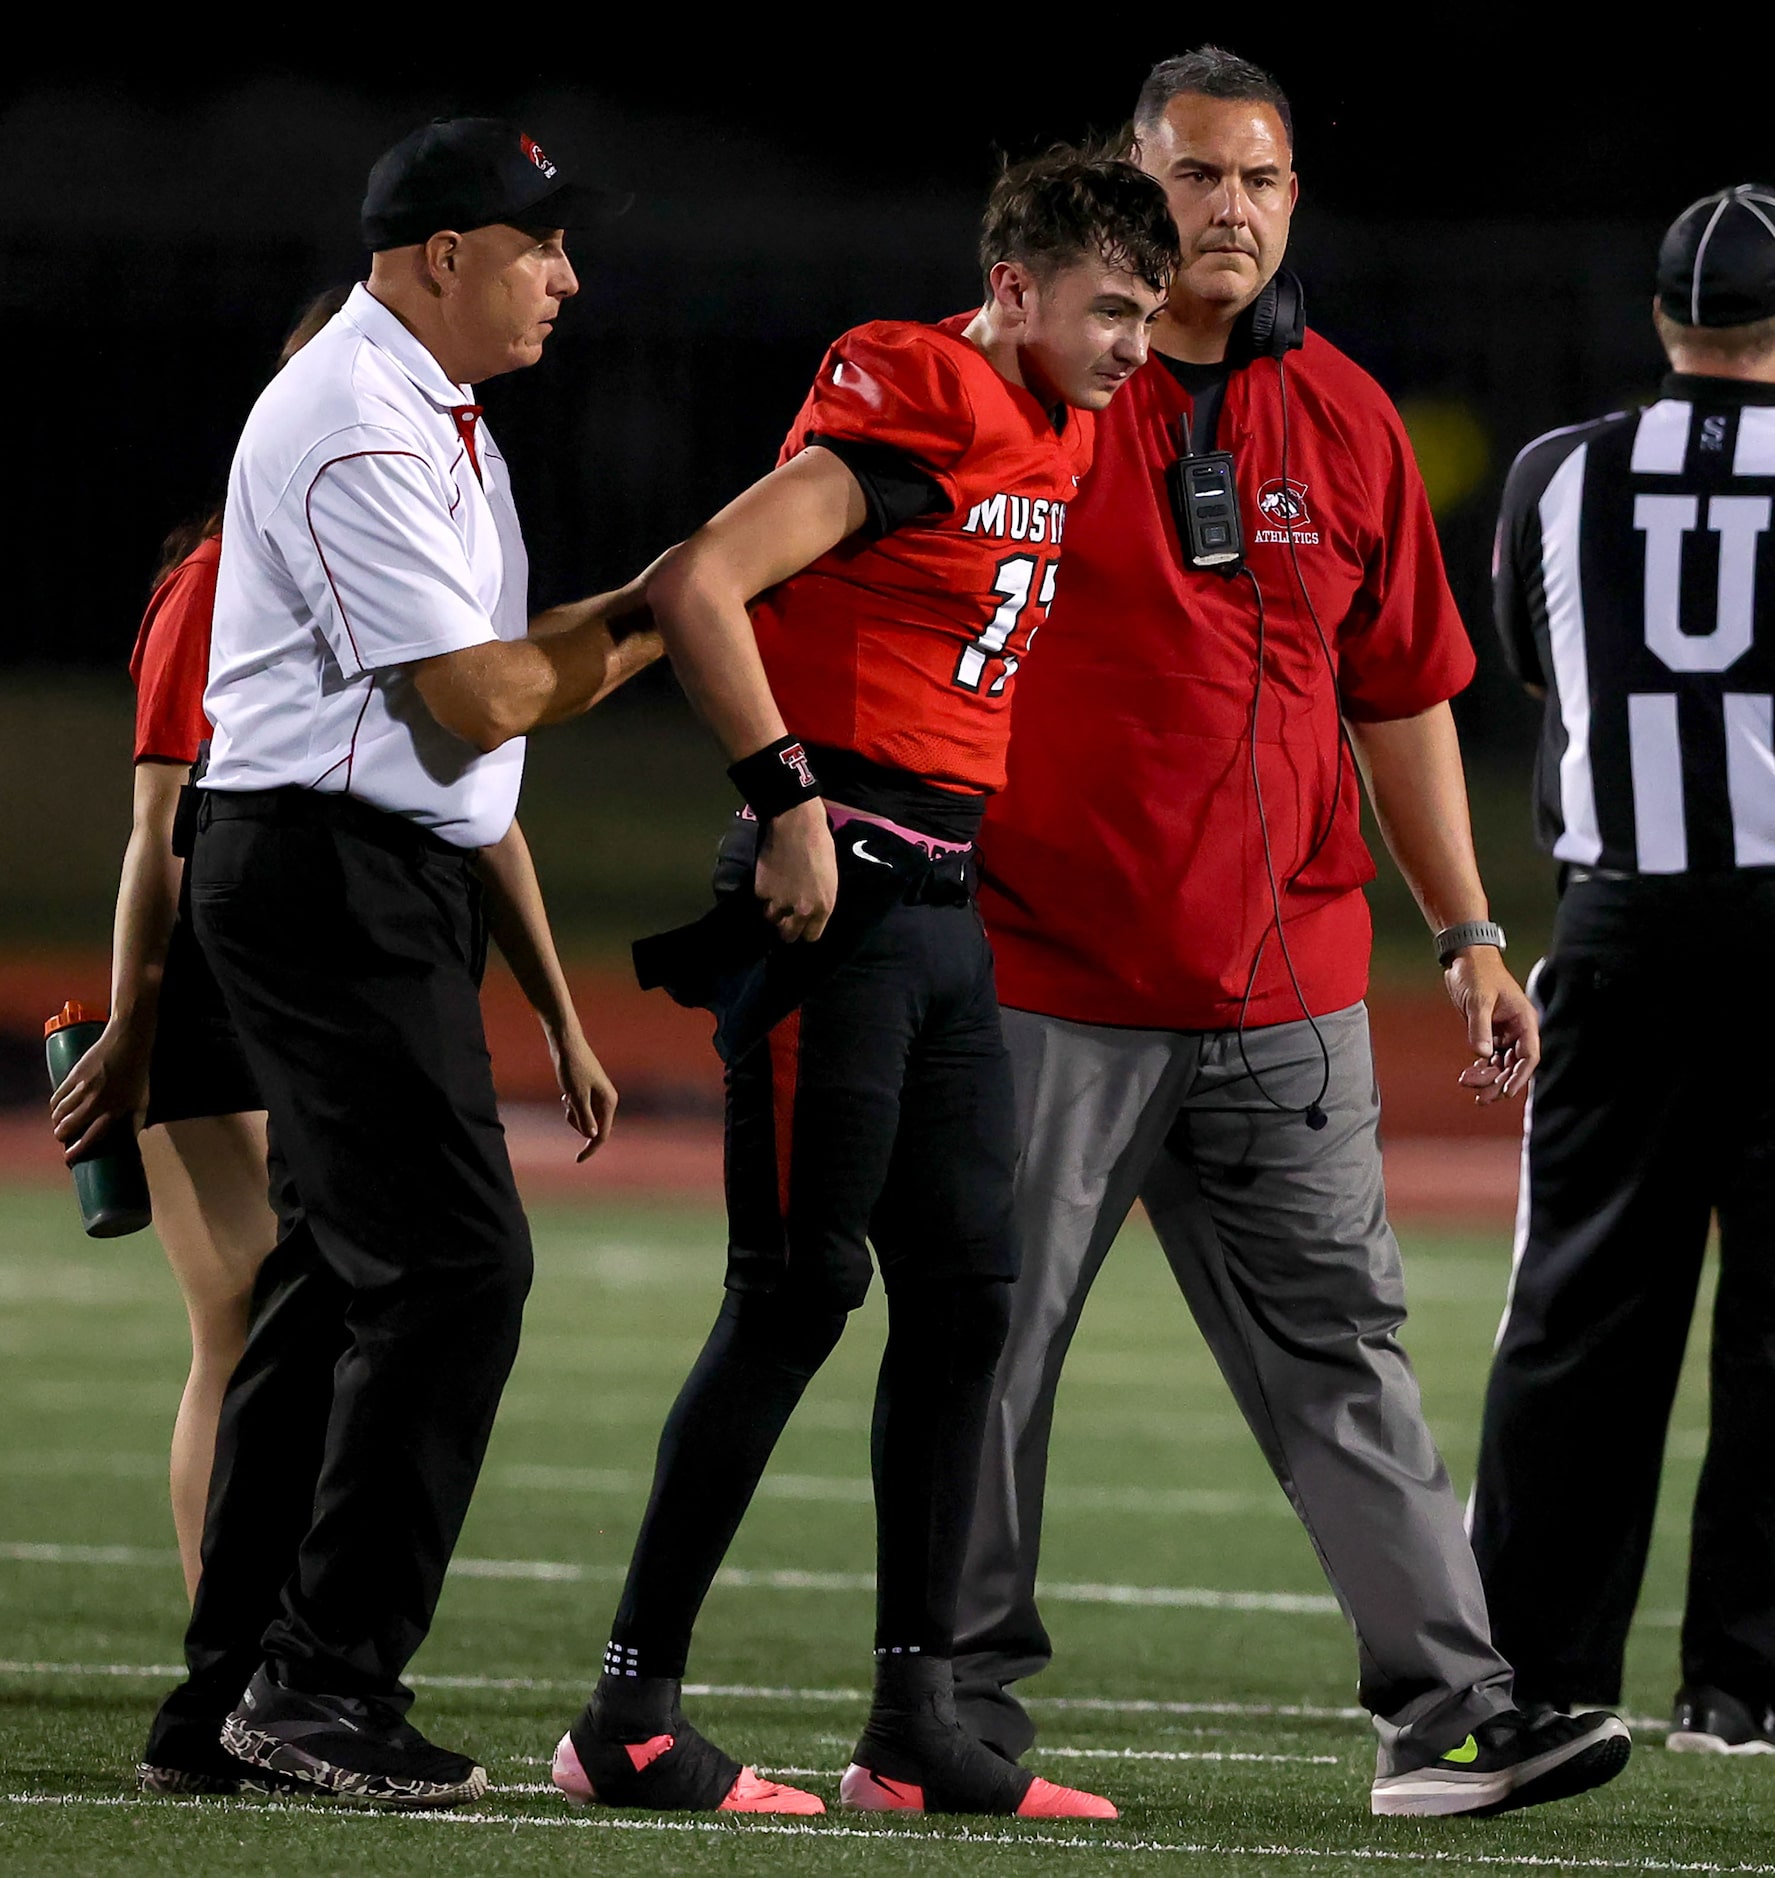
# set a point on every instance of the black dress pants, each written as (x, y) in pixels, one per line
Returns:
(1653, 1111)
(349, 946)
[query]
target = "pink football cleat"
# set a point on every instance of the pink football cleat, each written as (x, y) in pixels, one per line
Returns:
(749, 1793)
(1045, 1800)
(753, 1794)
(916, 1757)
(870, 1792)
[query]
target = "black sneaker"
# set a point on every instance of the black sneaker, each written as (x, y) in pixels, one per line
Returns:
(358, 1751)
(916, 1757)
(1708, 1721)
(1510, 1761)
(187, 1757)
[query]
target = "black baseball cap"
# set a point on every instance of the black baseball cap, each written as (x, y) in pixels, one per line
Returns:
(468, 172)
(1716, 266)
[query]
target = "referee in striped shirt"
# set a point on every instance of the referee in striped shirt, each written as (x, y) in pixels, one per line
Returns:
(1635, 591)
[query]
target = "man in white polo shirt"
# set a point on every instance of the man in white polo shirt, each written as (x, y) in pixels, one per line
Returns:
(372, 675)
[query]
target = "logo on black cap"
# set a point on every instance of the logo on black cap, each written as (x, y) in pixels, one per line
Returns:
(466, 172)
(534, 151)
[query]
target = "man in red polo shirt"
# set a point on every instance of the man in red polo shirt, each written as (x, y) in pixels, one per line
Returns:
(1172, 880)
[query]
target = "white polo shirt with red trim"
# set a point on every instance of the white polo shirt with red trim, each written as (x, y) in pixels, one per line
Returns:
(369, 525)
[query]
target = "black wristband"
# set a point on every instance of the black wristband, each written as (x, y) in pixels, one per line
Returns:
(776, 778)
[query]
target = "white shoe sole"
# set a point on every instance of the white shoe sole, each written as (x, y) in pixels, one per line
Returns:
(1440, 1792)
(1684, 1742)
(153, 1779)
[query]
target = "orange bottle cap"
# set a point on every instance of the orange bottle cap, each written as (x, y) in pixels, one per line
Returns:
(70, 1013)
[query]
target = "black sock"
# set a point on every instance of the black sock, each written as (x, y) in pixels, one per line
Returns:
(763, 1351)
(944, 1339)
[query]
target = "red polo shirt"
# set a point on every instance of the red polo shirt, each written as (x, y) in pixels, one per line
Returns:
(1124, 876)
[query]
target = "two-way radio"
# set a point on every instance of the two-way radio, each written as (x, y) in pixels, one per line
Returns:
(1205, 501)
(1204, 487)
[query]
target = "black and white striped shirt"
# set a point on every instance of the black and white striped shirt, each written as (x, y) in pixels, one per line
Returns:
(1634, 581)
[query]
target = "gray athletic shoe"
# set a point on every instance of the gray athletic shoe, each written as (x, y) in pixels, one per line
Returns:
(1510, 1761)
(363, 1753)
(1708, 1721)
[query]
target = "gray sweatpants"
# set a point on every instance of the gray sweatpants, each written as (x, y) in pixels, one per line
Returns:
(1278, 1237)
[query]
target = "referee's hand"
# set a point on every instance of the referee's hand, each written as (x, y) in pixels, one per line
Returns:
(1502, 1028)
(797, 873)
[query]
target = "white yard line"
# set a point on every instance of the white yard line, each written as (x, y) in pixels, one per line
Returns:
(1039, 1753)
(1182, 1754)
(24, 1552)
(739, 1578)
(846, 1490)
(633, 1483)
(552, 1571)
(753, 1692)
(909, 1834)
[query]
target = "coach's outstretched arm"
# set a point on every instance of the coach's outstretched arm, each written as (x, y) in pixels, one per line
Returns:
(487, 694)
(1412, 766)
(698, 594)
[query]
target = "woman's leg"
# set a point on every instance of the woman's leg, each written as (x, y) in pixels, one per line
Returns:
(208, 1180)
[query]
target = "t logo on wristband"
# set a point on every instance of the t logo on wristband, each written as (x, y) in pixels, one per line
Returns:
(775, 778)
(795, 758)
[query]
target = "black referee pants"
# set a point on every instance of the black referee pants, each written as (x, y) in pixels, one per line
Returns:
(349, 946)
(1653, 1111)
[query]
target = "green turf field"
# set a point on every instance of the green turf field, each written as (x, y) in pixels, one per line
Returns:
(1204, 1682)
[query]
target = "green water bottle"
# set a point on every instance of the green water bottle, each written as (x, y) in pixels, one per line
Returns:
(108, 1178)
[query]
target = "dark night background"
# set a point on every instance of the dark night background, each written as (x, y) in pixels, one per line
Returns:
(1479, 216)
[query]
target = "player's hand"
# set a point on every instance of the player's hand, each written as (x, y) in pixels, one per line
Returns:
(1502, 1028)
(797, 873)
(107, 1088)
(587, 1094)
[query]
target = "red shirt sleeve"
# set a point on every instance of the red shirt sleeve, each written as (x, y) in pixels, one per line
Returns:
(171, 661)
(884, 384)
(1402, 647)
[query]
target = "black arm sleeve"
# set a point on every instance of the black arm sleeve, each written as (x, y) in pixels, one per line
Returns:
(896, 490)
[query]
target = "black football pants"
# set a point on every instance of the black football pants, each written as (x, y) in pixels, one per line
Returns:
(349, 946)
(878, 1113)
(1653, 1111)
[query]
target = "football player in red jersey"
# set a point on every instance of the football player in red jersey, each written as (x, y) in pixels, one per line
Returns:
(896, 564)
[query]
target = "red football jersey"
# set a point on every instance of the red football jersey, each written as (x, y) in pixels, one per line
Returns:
(171, 660)
(904, 649)
(1124, 879)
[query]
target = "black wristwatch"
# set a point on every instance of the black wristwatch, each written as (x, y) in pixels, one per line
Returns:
(1470, 932)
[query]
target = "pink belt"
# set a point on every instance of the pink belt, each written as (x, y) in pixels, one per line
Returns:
(840, 815)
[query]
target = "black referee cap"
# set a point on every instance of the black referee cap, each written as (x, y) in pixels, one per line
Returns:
(467, 172)
(1717, 263)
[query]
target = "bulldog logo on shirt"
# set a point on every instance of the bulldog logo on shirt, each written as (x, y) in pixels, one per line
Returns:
(1284, 505)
